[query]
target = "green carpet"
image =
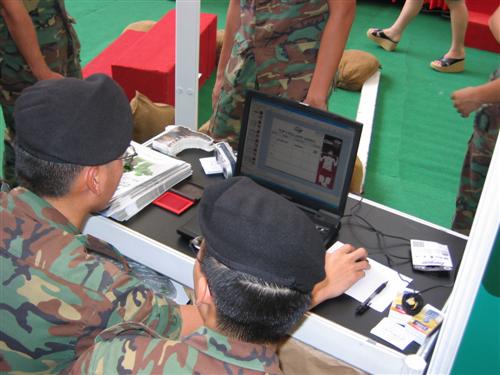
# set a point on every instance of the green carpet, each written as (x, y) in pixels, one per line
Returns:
(418, 141)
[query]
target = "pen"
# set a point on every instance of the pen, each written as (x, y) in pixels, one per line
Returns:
(366, 304)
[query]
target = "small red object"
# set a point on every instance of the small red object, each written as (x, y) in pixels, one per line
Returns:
(173, 202)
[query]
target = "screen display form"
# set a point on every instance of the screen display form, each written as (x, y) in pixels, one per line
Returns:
(300, 152)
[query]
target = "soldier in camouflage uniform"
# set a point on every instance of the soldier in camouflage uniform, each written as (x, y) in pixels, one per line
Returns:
(486, 100)
(274, 46)
(254, 277)
(37, 42)
(61, 288)
(480, 149)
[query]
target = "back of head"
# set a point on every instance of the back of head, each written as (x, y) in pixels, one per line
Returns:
(262, 258)
(65, 124)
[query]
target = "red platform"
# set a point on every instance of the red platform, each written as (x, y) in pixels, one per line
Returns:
(478, 32)
(145, 61)
(149, 65)
(102, 62)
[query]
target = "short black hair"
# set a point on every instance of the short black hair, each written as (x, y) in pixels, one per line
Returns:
(44, 178)
(251, 309)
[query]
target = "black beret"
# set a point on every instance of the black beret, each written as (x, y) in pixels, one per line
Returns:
(83, 122)
(251, 229)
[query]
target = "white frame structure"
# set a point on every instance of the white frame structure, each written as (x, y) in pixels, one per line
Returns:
(187, 56)
(474, 262)
(366, 116)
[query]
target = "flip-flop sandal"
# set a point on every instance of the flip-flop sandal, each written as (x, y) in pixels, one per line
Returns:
(448, 65)
(378, 36)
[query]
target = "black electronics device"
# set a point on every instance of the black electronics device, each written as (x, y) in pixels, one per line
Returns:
(188, 190)
(304, 154)
(190, 229)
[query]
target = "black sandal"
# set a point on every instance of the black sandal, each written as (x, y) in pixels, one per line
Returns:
(378, 36)
(448, 65)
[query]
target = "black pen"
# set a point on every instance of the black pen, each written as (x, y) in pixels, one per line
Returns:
(365, 305)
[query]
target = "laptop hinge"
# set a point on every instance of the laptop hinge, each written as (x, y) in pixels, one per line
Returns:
(328, 216)
(304, 208)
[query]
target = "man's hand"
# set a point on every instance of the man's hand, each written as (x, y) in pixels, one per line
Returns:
(315, 101)
(466, 100)
(22, 30)
(343, 268)
(46, 73)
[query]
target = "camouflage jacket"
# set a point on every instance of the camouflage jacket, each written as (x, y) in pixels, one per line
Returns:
(284, 38)
(133, 348)
(275, 51)
(57, 39)
(56, 296)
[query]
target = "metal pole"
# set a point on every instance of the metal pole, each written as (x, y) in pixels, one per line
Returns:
(187, 46)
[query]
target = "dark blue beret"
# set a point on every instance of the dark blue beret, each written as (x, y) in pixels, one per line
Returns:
(251, 229)
(83, 122)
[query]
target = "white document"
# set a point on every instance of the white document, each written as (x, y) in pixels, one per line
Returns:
(210, 165)
(375, 276)
(393, 333)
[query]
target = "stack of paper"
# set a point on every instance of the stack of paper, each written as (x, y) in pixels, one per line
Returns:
(177, 138)
(152, 174)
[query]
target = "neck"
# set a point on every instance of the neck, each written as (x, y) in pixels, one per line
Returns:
(74, 212)
(211, 322)
(209, 318)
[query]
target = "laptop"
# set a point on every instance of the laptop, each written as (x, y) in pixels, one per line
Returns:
(302, 153)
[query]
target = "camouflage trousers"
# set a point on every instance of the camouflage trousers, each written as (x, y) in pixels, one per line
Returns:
(225, 122)
(475, 167)
(14, 78)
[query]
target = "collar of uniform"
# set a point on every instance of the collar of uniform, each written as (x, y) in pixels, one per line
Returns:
(256, 357)
(39, 209)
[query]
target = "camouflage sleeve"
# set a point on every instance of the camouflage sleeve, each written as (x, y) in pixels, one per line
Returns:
(134, 348)
(134, 301)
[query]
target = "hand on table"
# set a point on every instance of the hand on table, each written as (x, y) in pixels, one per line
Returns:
(343, 268)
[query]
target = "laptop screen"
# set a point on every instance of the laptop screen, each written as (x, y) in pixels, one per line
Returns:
(303, 153)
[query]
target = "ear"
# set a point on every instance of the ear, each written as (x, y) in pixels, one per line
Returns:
(93, 177)
(203, 295)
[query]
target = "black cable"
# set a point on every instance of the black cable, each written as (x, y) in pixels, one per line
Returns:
(381, 242)
(370, 226)
(449, 285)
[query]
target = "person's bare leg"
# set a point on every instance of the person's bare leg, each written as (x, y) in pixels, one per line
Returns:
(410, 10)
(459, 18)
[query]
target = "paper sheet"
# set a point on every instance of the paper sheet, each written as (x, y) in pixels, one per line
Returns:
(210, 165)
(393, 333)
(376, 275)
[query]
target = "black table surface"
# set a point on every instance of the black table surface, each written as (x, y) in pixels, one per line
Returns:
(161, 226)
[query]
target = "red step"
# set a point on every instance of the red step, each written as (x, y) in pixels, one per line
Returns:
(478, 33)
(149, 64)
(102, 62)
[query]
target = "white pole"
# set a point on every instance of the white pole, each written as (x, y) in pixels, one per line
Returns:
(187, 46)
(478, 249)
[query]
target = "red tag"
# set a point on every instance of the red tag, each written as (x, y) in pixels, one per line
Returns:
(173, 202)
